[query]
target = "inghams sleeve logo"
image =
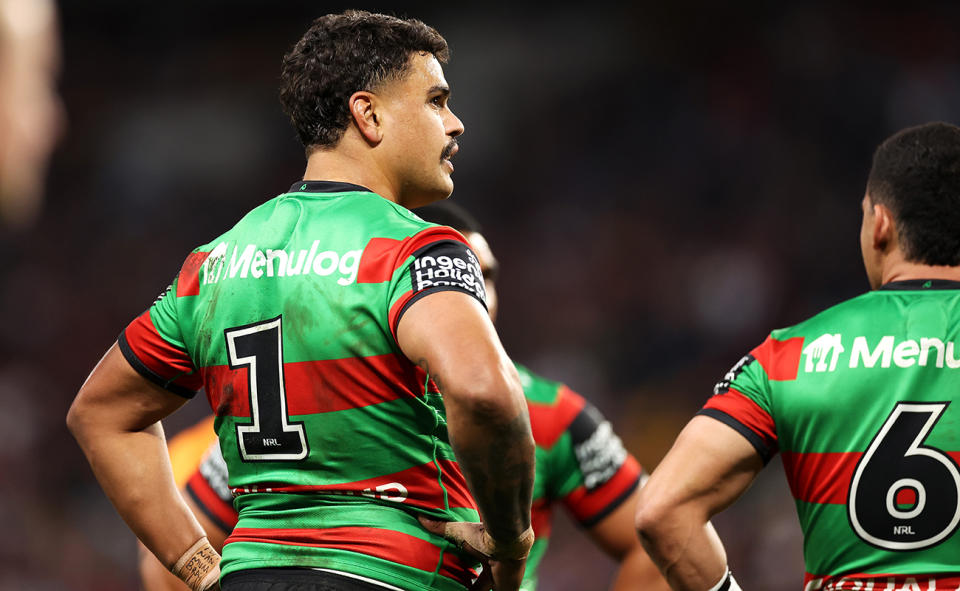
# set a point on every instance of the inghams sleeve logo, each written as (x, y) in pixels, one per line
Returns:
(447, 264)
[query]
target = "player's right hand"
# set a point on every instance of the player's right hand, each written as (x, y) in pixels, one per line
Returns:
(503, 563)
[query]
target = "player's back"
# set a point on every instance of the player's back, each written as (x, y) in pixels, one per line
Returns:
(331, 435)
(859, 401)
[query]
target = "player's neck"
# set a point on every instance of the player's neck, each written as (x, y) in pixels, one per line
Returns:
(900, 269)
(346, 165)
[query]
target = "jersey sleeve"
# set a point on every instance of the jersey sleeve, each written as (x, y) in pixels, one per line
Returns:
(586, 466)
(209, 489)
(153, 343)
(433, 260)
(743, 399)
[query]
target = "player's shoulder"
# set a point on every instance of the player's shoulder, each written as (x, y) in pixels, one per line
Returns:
(780, 353)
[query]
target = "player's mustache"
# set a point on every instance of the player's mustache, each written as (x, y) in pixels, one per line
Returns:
(448, 150)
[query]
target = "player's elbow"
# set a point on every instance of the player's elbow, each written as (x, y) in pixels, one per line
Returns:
(653, 517)
(80, 418)
(492, 394)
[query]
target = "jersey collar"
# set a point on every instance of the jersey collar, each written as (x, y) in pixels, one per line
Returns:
(326, 187)
(921, 284)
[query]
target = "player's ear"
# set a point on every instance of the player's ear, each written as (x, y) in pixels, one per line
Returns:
(364, 111)
(884, 227)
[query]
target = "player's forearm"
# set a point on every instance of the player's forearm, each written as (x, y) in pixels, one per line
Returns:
(490, 433)
(134, 471)
(637, 572)
(684, 546)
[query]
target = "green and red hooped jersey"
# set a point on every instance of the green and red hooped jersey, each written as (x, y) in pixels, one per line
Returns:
(860, 401)
(333, 439)
(581, 463)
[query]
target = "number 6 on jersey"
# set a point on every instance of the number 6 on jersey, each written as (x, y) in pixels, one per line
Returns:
(271, 437)
(905, 495)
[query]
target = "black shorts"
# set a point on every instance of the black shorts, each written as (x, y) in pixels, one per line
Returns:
(292, 579)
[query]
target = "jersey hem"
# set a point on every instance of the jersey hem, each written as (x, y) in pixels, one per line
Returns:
(148, 373)
(755, 440)
(425, 292)
(614, 504)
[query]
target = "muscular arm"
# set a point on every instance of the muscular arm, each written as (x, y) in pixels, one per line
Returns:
(451, 337)
(615, 536)
(709, 466)
(115, 419)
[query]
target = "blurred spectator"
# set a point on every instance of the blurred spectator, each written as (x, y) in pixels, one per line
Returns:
(30, 110)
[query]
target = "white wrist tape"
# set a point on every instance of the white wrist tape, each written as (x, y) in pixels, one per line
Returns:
(727, 583)
(199, 566)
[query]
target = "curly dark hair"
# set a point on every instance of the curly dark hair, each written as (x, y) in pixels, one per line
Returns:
(916, 173)
(342, 54)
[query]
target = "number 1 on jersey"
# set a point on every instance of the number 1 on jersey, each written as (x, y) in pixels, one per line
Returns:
(271, 437)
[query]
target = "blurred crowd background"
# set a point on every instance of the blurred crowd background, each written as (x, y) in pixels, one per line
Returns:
(663, 182)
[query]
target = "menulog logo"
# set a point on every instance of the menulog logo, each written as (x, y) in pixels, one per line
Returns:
(826, 351)
(270, 262)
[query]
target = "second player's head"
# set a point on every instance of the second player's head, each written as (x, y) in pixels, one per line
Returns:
(448, 213)
(375, 83)
(914, 189)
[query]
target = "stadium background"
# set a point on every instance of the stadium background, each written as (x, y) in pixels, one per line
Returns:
(662, 182)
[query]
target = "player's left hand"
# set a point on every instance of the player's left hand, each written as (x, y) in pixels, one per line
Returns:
(503, 564)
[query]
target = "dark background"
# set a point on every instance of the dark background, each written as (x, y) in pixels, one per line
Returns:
(663, 182)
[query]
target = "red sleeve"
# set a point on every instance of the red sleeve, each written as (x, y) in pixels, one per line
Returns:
(590, 507)
(747, 418)
(609, 473)
(157, 360)
(436, 259)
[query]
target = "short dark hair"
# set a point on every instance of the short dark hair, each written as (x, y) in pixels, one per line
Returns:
(916, 173)
(342, 54)
(448, 213)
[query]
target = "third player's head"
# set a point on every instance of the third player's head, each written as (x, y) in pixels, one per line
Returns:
(372, 86)
(911, 210)
(448, 213)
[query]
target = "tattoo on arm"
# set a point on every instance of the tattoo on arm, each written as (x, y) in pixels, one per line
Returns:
(500, 475)
(498, 466)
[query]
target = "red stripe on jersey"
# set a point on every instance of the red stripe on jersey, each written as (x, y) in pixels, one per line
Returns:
(921, 582)
(549, 421)
(320, 386)
(159, 356)
(747, 412)
(820, 477)
(378, 260)
(780, 359)
(420, 482)
(390, 545)
(188, 282)
(383, 256)
(584, 504)
(210, 501)
(540, 515)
